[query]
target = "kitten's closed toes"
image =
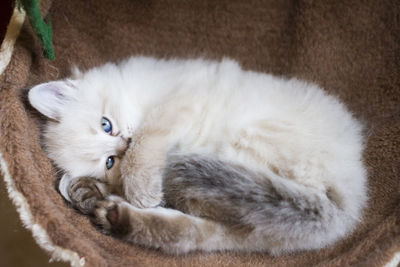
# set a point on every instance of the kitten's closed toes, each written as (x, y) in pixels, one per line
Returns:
(111, 215)
(85, 192)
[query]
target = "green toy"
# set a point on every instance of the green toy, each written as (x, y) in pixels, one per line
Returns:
(41, 29)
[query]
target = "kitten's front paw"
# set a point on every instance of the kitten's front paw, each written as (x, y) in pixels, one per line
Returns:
(112, 216)
(85, 192)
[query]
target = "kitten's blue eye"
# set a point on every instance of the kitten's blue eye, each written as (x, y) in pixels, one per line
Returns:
(109, 162)
(106, 124)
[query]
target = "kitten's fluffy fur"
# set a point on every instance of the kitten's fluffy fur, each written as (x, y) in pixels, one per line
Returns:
(220, 158)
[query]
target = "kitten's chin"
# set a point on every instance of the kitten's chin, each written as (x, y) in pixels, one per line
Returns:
(63, 186)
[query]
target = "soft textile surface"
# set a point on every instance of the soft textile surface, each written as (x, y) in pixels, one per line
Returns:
(350, 48)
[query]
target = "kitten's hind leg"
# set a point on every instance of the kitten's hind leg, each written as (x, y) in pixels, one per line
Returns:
(169, 230)
(277, 214)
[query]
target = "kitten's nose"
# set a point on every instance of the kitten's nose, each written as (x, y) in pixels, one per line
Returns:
(123, 145)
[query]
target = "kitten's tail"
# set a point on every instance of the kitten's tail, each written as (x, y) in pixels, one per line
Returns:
(289, 215)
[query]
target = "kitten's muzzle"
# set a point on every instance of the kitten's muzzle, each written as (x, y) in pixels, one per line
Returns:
(123, 145)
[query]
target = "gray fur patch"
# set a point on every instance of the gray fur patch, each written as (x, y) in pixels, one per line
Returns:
(231, 194)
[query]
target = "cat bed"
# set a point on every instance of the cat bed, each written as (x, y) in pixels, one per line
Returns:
(351, 49)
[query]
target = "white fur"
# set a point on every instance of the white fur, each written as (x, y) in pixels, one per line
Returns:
(297, 129)
(63, 186)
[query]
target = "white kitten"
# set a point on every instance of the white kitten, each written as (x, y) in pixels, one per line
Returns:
(242, 160)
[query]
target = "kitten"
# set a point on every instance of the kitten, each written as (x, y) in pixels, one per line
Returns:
(187, 155)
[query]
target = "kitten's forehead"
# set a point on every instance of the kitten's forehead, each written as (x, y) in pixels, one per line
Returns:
(97, 99)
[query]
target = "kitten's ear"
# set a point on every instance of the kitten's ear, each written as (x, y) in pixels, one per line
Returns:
(50, 98)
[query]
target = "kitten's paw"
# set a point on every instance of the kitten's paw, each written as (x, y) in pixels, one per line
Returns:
(112, 216)
(85, 192)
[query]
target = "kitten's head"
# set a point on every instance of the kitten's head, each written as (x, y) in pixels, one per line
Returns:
(89, 126)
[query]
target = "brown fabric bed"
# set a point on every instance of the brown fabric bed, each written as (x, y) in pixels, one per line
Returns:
(351, 48)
